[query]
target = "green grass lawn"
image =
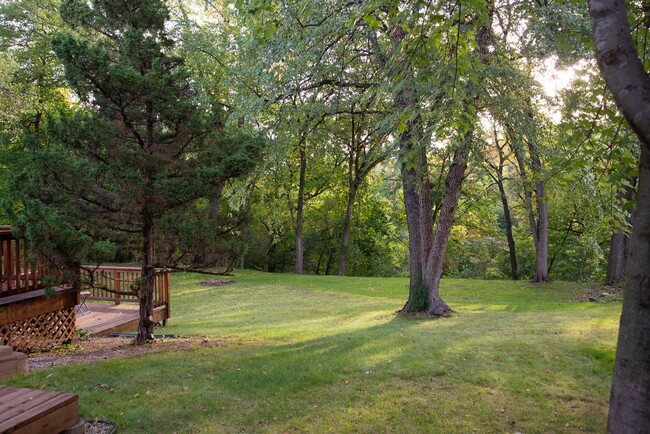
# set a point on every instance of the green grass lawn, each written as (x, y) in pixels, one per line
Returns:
(328, 354)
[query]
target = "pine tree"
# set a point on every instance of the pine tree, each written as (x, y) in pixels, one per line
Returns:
(140, 143)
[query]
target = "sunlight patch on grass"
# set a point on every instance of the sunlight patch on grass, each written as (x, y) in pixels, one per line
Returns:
(328, 354)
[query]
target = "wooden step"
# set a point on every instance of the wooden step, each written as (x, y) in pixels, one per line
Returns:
(37, 411)
(12, 362)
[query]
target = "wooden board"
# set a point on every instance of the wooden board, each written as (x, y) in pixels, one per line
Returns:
(27, 411)
(21, 306)
(107, 318)
(12, 363)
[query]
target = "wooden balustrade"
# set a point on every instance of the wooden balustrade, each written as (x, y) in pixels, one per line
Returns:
(121, 280)
(19, 275)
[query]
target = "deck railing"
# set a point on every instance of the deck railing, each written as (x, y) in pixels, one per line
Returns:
(121, 280)
(19, 274)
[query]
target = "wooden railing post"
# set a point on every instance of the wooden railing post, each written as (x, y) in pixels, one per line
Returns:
(17, 264)
(10, 266)
(18, 275)
(117, 286)
(168, 297)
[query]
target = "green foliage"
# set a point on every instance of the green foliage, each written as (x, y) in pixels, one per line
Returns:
(83, 334)
(140, 144)
(316, 77)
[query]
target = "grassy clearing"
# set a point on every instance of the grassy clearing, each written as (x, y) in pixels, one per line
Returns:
(327, 354)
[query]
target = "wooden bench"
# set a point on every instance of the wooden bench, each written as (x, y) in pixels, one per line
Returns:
(26, 411)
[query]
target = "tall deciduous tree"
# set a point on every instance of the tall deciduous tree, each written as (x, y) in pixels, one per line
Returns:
(629, 82)
(498, 176)
(141, 142)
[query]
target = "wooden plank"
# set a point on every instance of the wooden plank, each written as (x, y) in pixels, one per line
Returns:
(9, 395)
(104, 318)
(6, 247)
(53, 422)
(12, 363)
(25, 267)
(17, 264)
(117, 288)
(30, 304)
(36, 411)
(23, 405)
(168, 297)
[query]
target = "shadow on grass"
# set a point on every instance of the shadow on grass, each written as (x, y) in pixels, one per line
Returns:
(331, 356)
(405, 374)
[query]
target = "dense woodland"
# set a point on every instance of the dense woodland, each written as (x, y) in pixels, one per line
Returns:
(350, 97)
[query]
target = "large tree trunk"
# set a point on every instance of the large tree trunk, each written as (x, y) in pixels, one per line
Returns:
(347, 226)
(541, 244)
(417, 292)
(417, 194)
(500, 182)
(616, 258)
(436, 257)
(629, 408)
(146, 325)
(514, 273)
(215, 202)
(618, 245)
(538, 225)
(630, 395)
(352, 192)
(300, 254)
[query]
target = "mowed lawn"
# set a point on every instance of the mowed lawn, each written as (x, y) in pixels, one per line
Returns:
(290, 353)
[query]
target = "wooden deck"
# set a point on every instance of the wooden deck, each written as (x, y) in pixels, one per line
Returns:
(109, 318)
(37, 411)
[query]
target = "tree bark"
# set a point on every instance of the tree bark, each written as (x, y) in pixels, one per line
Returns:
(616, 258)
(347, 226)
(352, 192)
(417, 197)
(300, 254)
(436, 257)
(538, 225)
(417, 292)
(629, 410)
(499, 181)
(619, 243)
(146, 325)
(215, 201)
(541, 246)
(630, 394)
(514, 273)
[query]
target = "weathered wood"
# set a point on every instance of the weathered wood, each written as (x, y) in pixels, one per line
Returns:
(119, 280)
(18, 274)
(11, 362)
(30, 304)
(27, 411)
(105, 318)
(32, 321)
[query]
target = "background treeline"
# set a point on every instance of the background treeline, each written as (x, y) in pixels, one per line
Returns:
(546, 171)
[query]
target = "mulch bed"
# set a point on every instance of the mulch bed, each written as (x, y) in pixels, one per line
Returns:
(217, 282)
(99, 349)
